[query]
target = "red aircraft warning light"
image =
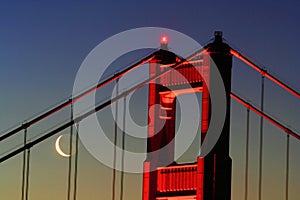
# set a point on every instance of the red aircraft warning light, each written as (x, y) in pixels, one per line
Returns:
(164, 40)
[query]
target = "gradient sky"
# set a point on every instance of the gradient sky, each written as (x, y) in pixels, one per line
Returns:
(43, 44)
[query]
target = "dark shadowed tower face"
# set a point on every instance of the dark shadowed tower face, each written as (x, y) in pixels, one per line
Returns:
(217, 167)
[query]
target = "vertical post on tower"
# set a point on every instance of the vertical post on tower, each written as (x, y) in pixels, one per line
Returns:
(161, 122)
(217, 164)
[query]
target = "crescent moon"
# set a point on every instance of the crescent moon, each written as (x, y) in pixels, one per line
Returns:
(58, 149)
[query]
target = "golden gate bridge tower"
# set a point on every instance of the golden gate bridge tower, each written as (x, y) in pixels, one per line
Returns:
(209, 178)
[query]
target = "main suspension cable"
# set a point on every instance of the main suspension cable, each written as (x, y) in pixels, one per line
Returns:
(99, 107)
(263, 72)
(267, 117)
(77, 97)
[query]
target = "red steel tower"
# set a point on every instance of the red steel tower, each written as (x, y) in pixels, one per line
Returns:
(209, 178)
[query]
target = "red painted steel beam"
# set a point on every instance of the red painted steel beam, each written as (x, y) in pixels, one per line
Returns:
(265, 116)
(264, 72)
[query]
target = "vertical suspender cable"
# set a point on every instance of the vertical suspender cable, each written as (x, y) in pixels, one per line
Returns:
(123, 149)
(261, 139)
(25, 170)
(115, 143)
(247, 154)
(27, 175)
(70, 157)
(76, 161)
(24, 166)
(287, 167)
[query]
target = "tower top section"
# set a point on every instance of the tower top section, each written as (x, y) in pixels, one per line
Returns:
(164, 40)
(218, 45)
(218, 36)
